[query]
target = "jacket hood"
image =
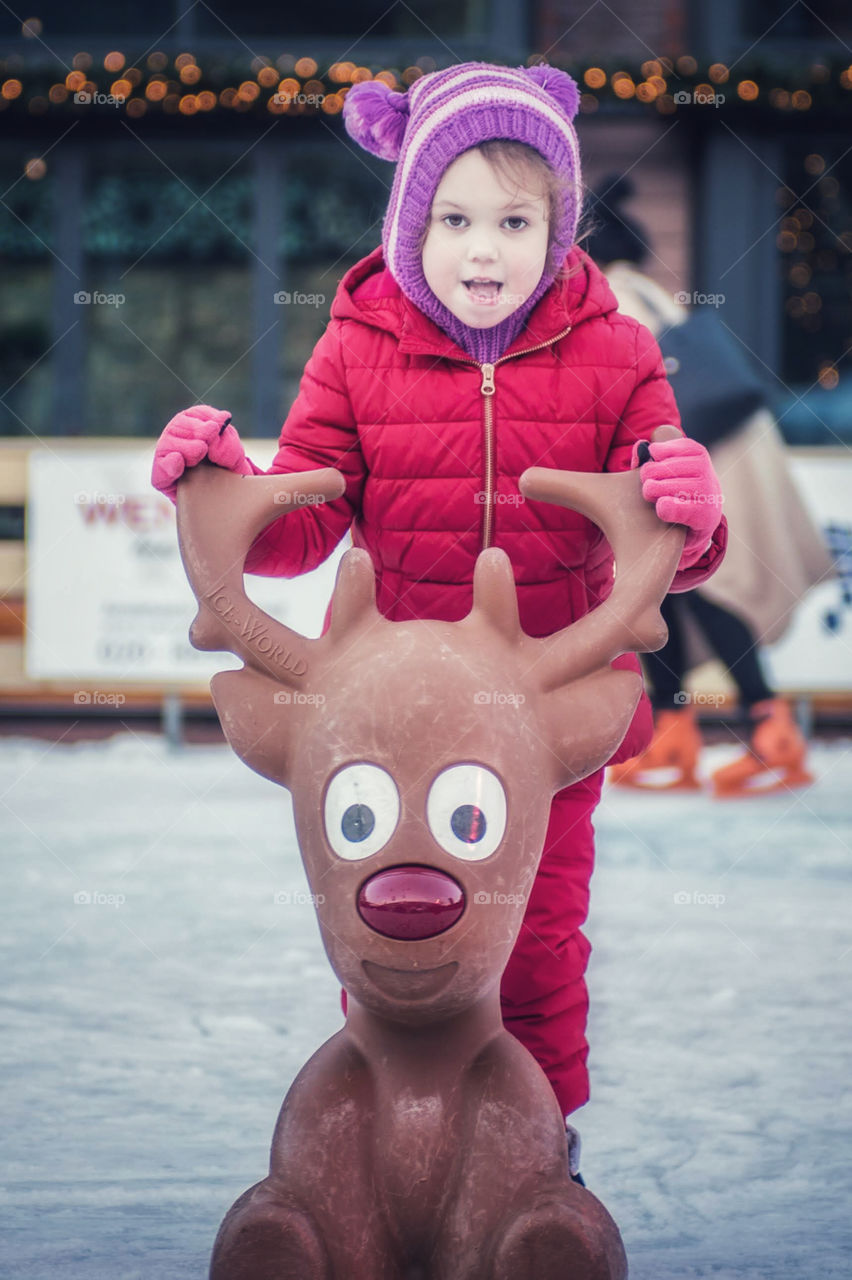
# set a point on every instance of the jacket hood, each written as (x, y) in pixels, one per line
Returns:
(369, 293)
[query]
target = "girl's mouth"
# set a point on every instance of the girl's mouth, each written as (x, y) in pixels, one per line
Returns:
(485, 292)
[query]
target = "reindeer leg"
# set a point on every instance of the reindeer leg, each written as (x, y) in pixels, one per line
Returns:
(561, 1235)
(266, 1235)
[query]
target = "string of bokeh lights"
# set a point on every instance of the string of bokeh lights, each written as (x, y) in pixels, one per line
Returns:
(294, 86)
(180, 87)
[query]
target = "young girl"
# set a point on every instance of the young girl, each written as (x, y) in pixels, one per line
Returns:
(477, 341)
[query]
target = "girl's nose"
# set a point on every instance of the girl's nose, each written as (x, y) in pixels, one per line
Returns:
(482, 251)
(410, 903)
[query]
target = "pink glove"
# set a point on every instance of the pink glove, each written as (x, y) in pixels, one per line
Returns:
(678, 477)
(193, 434)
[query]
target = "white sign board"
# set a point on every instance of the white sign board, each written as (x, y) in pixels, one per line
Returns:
(107, 597)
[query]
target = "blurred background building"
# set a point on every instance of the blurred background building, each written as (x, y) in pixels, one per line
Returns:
(200, 197)
(179, 199)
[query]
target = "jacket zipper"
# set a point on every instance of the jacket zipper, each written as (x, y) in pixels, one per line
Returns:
(487, 390)
(486, 387)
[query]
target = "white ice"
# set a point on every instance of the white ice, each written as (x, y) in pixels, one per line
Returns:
(150, 1034)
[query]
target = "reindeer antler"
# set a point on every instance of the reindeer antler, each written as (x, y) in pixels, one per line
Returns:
(219, 515)
(646, 551)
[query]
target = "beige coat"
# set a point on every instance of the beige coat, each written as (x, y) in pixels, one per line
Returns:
(775, 552)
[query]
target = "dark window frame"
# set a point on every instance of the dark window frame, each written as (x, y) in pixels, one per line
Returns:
(505, 32)
(720, 30)
(72, 165)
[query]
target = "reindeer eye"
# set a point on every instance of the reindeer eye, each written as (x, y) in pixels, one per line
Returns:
(466, 811)
(361, 810)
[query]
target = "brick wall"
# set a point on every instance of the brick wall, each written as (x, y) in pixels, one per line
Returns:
(659, 171)
(593, 29)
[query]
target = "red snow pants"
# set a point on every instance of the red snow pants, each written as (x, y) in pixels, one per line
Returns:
(543, 993)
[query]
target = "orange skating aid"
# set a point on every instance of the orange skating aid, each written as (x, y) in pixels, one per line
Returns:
(775, 760)
(669, 763)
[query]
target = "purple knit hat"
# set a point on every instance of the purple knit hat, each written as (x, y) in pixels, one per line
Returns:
(425, 129)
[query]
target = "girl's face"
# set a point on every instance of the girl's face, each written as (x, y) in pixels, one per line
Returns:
(486, 242)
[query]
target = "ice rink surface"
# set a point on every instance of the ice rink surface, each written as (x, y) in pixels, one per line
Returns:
(163, 982)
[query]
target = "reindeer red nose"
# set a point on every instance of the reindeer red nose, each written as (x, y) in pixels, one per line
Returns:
(410, 902)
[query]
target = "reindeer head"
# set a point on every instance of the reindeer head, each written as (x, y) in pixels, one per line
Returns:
(421, 756)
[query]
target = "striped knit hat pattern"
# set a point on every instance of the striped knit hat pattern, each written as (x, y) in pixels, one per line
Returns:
(446, 113)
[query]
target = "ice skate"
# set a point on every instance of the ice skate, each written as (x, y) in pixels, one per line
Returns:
(775, 760)
(670, 761)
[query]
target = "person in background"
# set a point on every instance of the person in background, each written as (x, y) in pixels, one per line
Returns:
(775, 555)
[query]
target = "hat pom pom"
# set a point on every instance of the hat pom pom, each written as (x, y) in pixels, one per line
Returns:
(559, 85)
(376, 116)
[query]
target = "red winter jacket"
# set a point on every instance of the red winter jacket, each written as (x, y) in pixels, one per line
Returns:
(431, 444)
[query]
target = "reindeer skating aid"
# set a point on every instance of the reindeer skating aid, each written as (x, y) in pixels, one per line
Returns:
(422, 1141)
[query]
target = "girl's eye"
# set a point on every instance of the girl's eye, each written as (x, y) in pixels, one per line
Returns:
(520, 223)
(453, 220)
(466, 811)
(361, 811)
